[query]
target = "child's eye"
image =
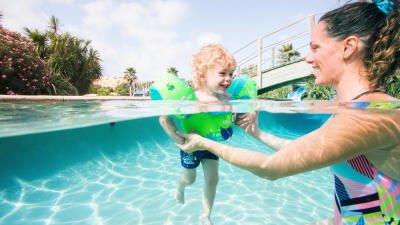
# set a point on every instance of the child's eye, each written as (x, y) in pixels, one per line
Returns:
(231, 74)
(222, 73)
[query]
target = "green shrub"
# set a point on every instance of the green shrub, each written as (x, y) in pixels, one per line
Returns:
(104, 91)
(93, 88)
(315, 92)
(60, 85)
(281, 92)
(122, 89)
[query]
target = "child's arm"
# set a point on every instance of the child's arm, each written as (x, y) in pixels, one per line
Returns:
(167, 123)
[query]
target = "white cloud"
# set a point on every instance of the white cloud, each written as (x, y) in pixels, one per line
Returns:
(150, 60)
(97, 18)
(22, 13)
(156, 58)
(67, 2)
(147, 29)
(208, 38)
(128, 14)
(169, 12)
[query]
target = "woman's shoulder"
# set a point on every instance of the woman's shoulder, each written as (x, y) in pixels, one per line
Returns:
(378, 96)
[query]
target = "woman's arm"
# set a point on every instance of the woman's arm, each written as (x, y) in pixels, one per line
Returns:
(340, 138)
(167, 123)
(249, 123)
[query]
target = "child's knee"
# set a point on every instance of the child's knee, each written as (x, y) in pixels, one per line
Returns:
(189, 180)
(211, 181)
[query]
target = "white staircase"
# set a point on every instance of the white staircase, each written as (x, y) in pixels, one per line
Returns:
(263, 52)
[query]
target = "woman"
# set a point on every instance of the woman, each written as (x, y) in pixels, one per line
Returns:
(356, 49)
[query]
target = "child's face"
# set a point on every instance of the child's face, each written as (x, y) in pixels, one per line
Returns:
(218, 79)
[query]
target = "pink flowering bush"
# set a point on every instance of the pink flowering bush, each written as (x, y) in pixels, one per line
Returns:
(22, 71)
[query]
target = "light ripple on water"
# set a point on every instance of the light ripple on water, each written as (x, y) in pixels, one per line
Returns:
(138, 187)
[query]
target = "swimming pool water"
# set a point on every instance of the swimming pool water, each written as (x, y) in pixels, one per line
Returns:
(94, 165)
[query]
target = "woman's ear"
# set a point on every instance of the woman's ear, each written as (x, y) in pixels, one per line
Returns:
(350, 46)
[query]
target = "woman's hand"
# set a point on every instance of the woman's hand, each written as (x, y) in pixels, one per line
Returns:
(248, 122)
(193, 142)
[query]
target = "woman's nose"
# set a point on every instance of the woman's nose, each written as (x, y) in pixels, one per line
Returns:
(309, 58)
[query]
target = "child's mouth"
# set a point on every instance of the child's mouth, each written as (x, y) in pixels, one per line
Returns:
(224, 87)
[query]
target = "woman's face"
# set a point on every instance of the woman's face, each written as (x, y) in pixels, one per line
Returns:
(325, 57)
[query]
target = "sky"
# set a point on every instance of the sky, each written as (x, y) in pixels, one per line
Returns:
(153, 35)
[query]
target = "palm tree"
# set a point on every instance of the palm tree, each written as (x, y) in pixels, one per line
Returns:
(173, 71)
(54, 25)
(250, 70)
(130, 76)
(287, 54)
(40, 40)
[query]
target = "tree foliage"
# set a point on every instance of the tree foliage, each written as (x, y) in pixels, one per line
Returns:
(122, 89)
(315, 92)
(393, 85)
(281, 92)
(93, 88)
(73, 58)
(173, 70)
(104, 91)
(250, 70)
(287, 54)
(72, 63)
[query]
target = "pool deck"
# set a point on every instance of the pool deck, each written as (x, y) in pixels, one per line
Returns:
(16, 98)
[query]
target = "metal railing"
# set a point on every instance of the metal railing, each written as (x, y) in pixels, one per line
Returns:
(265, 56)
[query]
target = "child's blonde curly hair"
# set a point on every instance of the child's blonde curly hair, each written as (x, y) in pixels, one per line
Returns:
(209, 56)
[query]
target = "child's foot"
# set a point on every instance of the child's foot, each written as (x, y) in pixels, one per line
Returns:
(205, 220)
(180, 196)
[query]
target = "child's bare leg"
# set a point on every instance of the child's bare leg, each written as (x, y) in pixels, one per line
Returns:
(330, 221)
(210, 169)
(188, 177)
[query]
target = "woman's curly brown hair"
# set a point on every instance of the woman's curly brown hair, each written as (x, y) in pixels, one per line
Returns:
(385, 58)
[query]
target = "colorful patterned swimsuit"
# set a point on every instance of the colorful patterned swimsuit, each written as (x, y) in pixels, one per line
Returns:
(364, 195)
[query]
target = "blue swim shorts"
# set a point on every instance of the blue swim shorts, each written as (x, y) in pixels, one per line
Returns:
(192, 160)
